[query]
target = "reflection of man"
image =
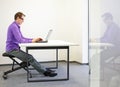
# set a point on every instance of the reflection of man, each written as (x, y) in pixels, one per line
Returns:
(112, 32)
(112, 36)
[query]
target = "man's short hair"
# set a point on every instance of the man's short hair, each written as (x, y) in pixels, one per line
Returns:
(18, 14)
(107, 16)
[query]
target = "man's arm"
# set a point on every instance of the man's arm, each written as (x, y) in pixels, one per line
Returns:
(19, 37)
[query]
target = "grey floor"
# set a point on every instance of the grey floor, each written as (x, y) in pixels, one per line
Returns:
(110, 76)
(79, 77)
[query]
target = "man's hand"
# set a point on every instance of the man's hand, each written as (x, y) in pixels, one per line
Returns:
(36, 40)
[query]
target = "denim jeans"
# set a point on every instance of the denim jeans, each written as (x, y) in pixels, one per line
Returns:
(23, 56)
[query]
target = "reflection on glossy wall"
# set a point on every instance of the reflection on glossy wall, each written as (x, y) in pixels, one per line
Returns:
(104, 43)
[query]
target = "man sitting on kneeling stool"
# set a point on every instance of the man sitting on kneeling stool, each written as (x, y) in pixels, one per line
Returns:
(14, 37)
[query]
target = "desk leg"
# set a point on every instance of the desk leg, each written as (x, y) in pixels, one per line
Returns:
(56, 58)
(68, 63)
(56, 79)
(27, 67)
(56, 62)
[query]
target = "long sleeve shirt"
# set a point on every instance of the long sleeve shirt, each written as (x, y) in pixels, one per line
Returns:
(14, 37)
(112, 35)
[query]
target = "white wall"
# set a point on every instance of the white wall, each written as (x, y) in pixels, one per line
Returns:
(63, 16)
(85, 31)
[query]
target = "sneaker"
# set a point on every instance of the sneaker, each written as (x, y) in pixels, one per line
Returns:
(50, 74)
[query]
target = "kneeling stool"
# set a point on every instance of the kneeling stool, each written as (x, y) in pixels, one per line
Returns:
(21, 65)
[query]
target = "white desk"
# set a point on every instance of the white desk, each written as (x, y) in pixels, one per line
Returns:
(51, 44)
(94, 67)
(99, 45)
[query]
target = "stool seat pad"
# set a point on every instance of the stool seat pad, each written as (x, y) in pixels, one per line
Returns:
(7, 55)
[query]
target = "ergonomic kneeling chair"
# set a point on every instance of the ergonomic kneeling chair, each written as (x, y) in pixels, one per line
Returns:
(21, 65)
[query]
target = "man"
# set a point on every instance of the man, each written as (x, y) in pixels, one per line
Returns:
(112, 36)
(14, 37)
(112, 31)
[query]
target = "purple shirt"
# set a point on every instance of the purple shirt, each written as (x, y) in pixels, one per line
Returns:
(14, 37)
(112, 35)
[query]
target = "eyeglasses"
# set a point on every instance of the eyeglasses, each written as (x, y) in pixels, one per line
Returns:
(21, 18)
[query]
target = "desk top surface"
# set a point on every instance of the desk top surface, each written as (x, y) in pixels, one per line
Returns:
(50, 43)
(97, 45)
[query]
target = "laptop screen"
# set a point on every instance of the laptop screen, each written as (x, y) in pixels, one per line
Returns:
(48, 35)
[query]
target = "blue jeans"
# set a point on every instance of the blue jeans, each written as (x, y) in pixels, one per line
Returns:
(23, 56)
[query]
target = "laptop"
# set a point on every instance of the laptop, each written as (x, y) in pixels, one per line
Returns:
(47, 37)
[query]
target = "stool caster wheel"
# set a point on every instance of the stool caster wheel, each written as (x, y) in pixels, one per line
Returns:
(4, 77)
